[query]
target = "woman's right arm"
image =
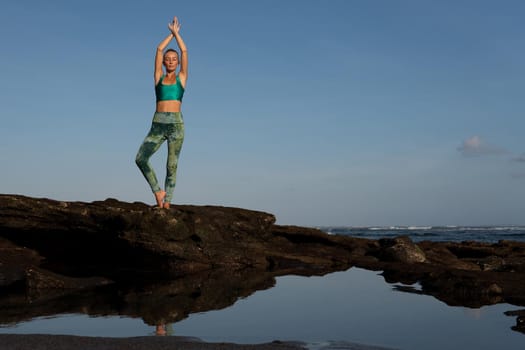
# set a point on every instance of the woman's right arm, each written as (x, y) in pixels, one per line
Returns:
(159, 56)
(183, 72)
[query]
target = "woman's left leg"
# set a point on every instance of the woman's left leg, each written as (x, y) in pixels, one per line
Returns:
(175, 140)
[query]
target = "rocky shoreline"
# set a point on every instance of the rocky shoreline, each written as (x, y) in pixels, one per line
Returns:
(162, 265)
(67, 342)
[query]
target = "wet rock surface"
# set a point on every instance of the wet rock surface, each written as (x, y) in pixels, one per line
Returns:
(116, 258)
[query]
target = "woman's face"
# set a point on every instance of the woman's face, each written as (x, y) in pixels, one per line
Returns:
(171, 60)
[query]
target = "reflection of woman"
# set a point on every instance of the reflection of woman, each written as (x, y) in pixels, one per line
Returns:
(164, 329)
(167, 124)
(160, 329)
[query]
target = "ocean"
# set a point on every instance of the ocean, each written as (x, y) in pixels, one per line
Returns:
(489, 234)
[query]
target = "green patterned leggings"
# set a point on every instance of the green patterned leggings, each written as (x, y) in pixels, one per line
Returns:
(166, 126)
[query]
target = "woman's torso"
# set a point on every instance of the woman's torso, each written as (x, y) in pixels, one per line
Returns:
(169, 91)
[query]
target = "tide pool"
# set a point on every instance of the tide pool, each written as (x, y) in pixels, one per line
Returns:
(355, 306)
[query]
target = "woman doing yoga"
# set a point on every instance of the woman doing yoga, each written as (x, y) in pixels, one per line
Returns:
(168, 124)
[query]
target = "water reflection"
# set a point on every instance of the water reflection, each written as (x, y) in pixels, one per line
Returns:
(164, 329)
(355, 306)
(156, 302)
(520, 320)
(160, 304)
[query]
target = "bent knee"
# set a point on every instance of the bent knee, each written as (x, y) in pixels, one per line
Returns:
(141, 161)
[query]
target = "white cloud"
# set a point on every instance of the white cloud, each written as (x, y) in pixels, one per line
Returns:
(476, 146)
(520, 158)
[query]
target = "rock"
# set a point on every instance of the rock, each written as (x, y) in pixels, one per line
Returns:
(125, 239)
(491, 263)
(52, 252)
(439, 254)
(14, 261)
(402, 249)
(68, 342)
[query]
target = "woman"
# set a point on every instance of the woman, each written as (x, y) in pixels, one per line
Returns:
(167, 124)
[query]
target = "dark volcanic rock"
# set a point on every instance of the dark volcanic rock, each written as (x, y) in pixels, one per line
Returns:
(123, 239)
(402, 249)
(59, 256)
(14, 260)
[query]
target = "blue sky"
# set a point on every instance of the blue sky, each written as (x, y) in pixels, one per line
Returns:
(341, 112)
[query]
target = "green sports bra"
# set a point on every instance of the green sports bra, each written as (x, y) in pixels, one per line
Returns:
(169, 92)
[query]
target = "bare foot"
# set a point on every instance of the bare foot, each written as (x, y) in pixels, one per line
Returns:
(159, 196)
(166, 205)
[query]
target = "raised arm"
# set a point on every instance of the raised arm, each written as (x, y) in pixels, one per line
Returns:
(159, 56)
(183, 73)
